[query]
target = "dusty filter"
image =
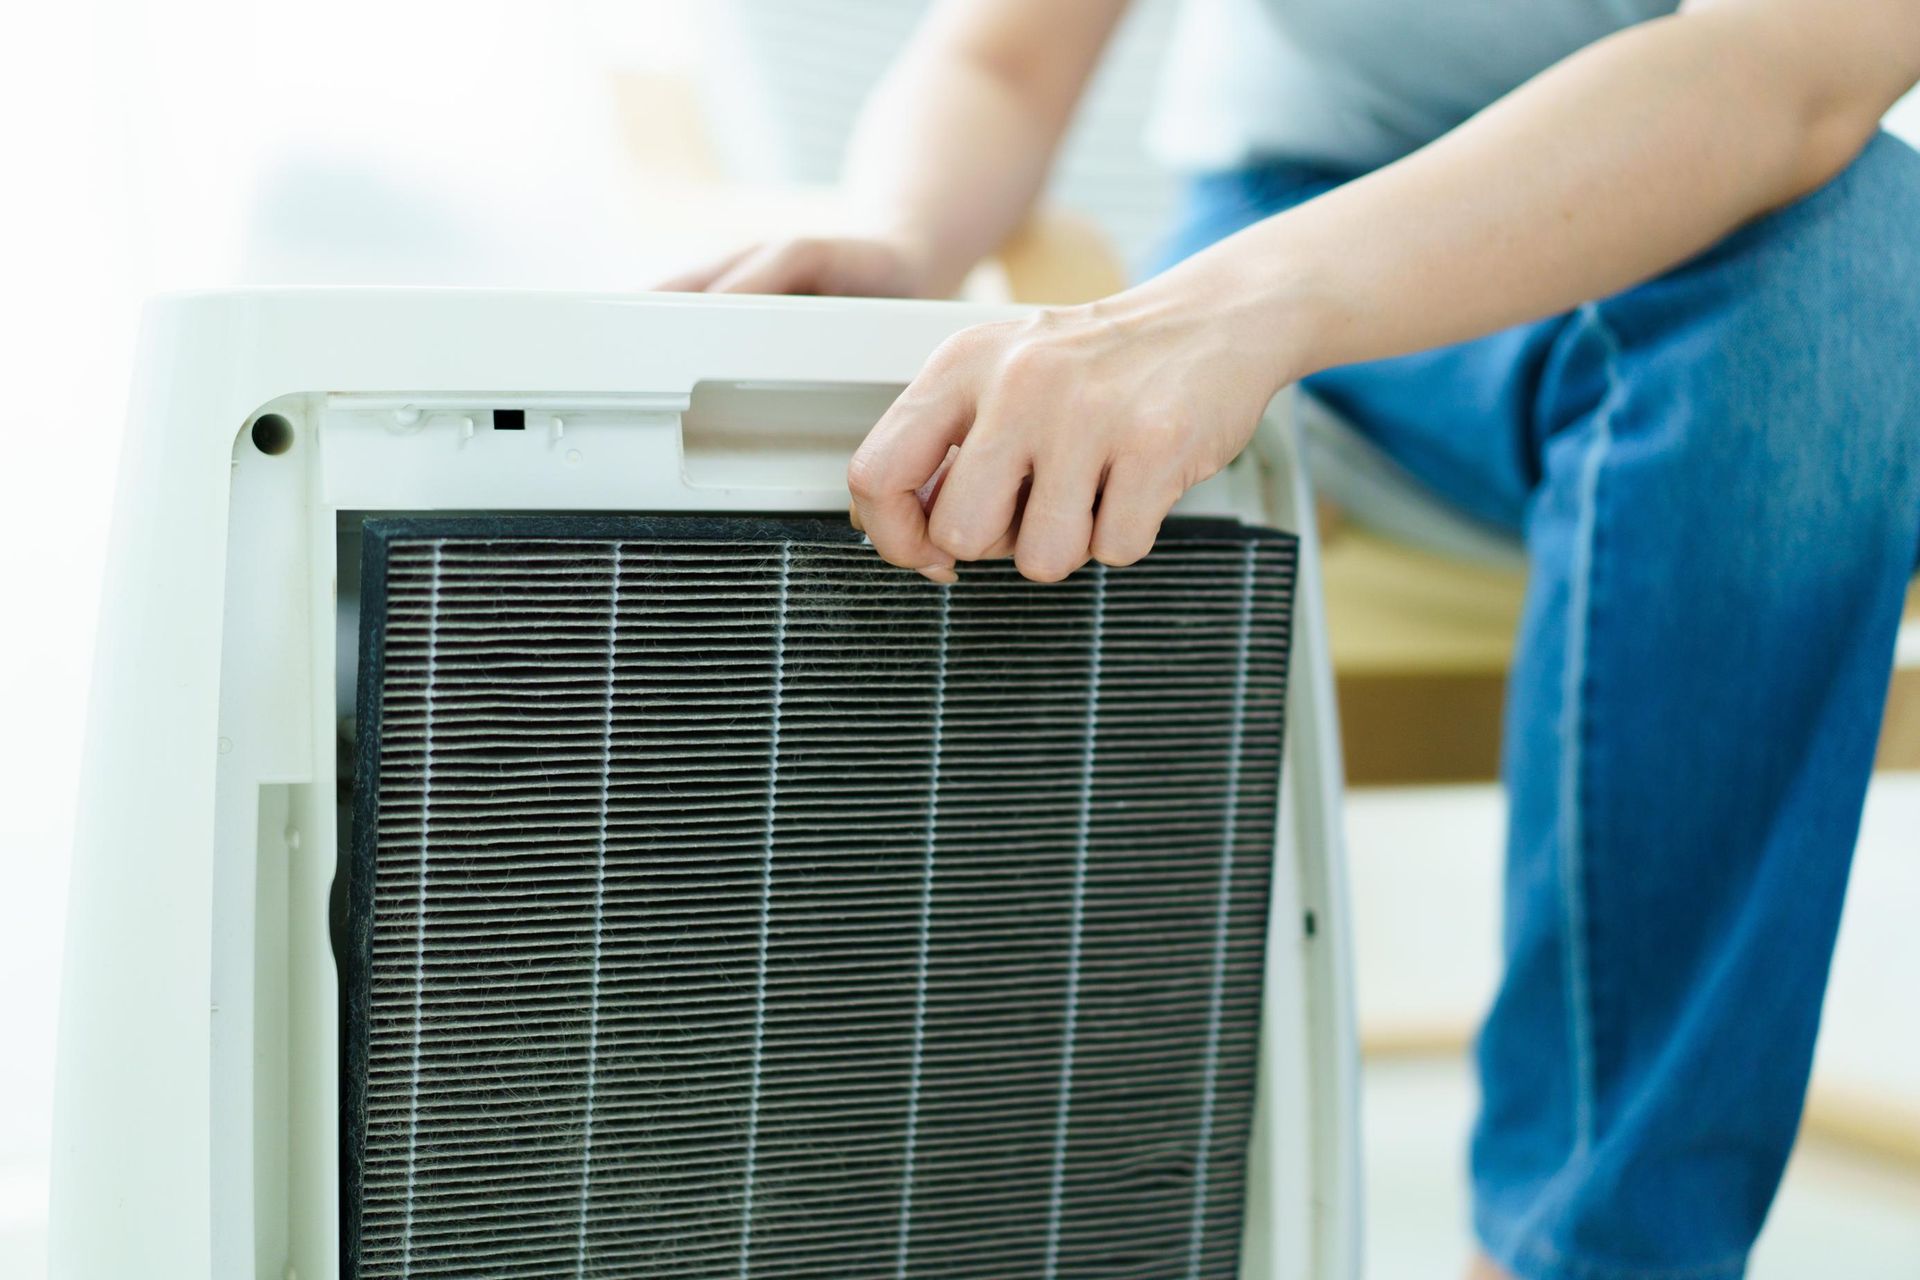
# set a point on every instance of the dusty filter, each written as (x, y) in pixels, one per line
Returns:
(724, 902)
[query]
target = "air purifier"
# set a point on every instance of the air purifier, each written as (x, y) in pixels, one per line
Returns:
(526, 832)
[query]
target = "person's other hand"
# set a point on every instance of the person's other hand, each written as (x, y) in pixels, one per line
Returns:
(1066, 435)
(844, 266)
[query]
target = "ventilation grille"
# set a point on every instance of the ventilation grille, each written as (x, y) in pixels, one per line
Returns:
(727, 903)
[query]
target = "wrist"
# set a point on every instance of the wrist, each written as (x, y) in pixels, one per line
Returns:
(913, 249)
(1267, 308)
(924, 261)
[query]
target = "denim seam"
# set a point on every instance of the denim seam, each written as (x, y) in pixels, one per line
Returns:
(1570, 825)
(1573, 743)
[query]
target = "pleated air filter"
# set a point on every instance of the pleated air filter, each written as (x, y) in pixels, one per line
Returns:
(728, 903)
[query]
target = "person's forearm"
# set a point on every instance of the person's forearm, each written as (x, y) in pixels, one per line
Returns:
(953, 147)
(948, 159)
(1613, 166)
(1071, 432)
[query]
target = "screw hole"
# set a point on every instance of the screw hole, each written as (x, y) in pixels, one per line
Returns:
(272, 434)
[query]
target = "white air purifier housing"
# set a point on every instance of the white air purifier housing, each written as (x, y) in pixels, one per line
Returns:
(197, 1112)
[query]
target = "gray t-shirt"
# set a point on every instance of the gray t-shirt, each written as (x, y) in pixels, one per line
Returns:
(1356, 83)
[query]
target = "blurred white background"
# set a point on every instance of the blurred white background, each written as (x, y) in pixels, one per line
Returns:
(148, 145)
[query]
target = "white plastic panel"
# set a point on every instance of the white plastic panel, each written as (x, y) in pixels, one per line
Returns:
(726, 446)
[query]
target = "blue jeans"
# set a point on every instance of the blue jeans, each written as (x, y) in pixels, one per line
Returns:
(1717, 477)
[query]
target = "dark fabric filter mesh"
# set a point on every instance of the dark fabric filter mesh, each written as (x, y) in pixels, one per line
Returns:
(728, 903)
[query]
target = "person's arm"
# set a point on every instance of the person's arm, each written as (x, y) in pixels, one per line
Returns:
(1616, 164)
(949, 156)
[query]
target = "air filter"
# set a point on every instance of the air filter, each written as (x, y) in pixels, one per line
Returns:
(520, 836)
(725, 902)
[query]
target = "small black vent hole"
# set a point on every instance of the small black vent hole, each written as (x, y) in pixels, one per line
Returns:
(272, 434)
(509, 419)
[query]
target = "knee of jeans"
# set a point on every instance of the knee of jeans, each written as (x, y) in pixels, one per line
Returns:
(1844, 258)
(1784, 363)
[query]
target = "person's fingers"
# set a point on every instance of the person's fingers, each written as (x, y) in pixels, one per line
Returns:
(1003, 549)
(974, 510)
(1134, 503)
(1058, 524)
(696, 279)
(931, 490)
(792, 267)
(929, 493)
(901, 454)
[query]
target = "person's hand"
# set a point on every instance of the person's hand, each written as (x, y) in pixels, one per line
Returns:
(843, 266)
(1066, 435)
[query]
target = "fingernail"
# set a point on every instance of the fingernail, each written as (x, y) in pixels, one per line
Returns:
(941, 573)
